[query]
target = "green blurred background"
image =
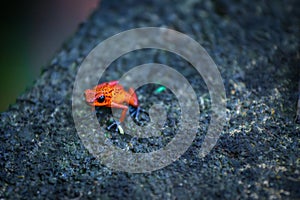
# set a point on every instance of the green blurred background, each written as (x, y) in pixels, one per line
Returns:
(31, 32)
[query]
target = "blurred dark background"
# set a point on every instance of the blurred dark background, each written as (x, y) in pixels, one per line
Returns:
(31, 32)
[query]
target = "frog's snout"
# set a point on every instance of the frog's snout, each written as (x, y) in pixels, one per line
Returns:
(89, 96)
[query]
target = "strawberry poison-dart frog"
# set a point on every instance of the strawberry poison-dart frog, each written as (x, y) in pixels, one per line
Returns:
(112, 94)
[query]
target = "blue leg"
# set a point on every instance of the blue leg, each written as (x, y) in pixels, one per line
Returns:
(118, 127)
(136, 113)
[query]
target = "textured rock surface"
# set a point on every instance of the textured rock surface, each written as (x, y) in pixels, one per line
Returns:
(256, 47)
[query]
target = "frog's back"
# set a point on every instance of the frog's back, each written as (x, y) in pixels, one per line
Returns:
(113, 93)
(119, 95)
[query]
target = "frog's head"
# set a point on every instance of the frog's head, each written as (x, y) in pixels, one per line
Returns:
(94, 98)
(90, 96)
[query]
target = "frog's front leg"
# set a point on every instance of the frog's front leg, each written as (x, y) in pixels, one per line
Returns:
(118, 127)
(123, 115)
(124, 110)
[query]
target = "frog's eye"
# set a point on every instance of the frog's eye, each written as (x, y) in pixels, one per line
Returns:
(101, 99)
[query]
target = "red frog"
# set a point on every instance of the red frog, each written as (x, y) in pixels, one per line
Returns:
(112, 94)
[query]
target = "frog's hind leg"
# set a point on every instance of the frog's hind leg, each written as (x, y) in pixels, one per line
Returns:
(139, 114)
(133, 100)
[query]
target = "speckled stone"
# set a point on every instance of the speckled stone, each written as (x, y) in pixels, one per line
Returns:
(256, 47)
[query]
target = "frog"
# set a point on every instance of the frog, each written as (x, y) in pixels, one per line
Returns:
(112, 94)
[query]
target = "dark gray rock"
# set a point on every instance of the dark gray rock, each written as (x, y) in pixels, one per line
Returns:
(256, 47)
